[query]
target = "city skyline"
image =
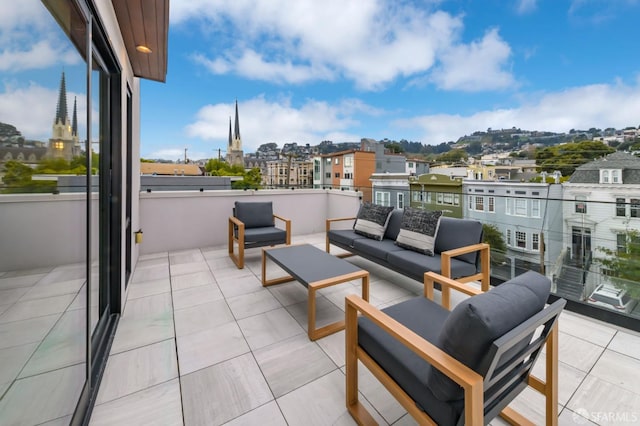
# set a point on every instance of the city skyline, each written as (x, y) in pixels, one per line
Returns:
(422, 71)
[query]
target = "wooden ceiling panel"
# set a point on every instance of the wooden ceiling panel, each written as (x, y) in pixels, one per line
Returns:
(145, 22)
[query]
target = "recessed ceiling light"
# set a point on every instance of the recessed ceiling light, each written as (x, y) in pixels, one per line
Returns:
(142, 48)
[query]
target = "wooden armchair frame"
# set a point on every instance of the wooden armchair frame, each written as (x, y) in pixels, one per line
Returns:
(238, 238)
(472, 383)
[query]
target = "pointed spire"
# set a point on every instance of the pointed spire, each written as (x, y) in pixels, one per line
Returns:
(61, 110)
(237, 130)
(74, 120)
(230, 138)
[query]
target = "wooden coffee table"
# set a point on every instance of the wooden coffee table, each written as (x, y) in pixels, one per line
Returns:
(315, 269)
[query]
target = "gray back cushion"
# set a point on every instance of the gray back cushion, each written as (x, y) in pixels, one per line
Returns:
(254, 214)
(476, 322)
(393, 227)
(454, 233)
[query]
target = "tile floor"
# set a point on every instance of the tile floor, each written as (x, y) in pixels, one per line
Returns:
(203, 343)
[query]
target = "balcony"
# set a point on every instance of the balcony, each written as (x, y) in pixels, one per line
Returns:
(201, 342)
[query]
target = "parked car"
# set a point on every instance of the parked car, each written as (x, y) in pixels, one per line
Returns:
(612, 298)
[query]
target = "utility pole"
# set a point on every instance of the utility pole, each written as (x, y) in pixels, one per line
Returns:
(185, 156)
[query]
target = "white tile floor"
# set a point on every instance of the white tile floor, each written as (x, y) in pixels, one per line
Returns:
(203, 343)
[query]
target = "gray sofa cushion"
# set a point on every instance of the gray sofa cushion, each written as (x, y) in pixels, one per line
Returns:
(424, 317)
(416, 264)
(455, 233)
(476, 322)
(372, 220)
(264, 236)
(344, 236)
(254, 214)
(378, 249)
(418, 230)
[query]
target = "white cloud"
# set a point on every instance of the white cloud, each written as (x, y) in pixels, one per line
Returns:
(31, 109)
(601, 105)
(477, 66)
(263, 121)
(371, 42)
(30, 39)
(526, 6)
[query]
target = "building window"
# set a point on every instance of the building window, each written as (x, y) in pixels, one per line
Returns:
(521, 239)
(470, 202)
(400, 204)
(348, 161)
(456, 199)
(581, 204)
(327, 175)
(615, 176)
(337, 175)
(439, 198)
(417, 196)
(604, 176)
(410, 164)
(492, 204)
(348, 175)
(621, 207)
(520, 207)
(479, 204)
(535, 242)
(535, 208)
(337, 160)
(508, 206)
(509, 237)
(382, 198)
(621, 243)
(634, 207)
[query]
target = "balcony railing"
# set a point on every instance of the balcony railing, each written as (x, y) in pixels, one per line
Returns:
(569, 247)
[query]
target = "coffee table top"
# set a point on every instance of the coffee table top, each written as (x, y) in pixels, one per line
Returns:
(308, 264)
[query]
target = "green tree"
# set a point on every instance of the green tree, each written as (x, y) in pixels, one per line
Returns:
(568, 157)
(624, 264)
(492, 236)
(394, 147)
(18, 179)
(251, 180)
(453, 156)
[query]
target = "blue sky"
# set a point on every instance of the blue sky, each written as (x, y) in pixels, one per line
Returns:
(430, 71)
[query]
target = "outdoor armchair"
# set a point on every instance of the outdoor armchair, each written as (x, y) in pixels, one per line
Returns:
(253, 225)
(462, 366)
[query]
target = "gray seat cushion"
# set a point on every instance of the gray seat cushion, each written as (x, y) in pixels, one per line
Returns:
(476, 322)
(454, 233)
(264, 236)
(254, 214)
(375, 248)
(344, 236)
(407, 369)
(416, 264)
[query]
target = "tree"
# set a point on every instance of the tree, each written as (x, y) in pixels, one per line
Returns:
(453, 156)
(624, 264)
(17, 179)
(568, 157)
(394, 147)
(251, 180)
(492, 236)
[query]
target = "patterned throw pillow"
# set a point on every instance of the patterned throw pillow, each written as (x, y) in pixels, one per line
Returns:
(418, 230)
(372, 220)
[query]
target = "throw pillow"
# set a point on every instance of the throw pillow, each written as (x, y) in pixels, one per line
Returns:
(372, 220)
(418, 230)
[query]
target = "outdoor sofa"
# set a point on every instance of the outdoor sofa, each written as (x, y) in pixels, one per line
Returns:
(458, 251)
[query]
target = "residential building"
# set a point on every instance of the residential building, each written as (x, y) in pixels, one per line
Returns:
(434, 191)
(286, 173)
(602, 205)
(385, 162)
(415, 167)
(390, 189)
(529, 218)
(349, 170)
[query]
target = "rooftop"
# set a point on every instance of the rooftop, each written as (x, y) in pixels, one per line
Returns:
(202, 342)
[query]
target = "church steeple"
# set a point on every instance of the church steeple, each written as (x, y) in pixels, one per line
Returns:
(230, 137)
(237, 130)
(74, 120)
(61, 110)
